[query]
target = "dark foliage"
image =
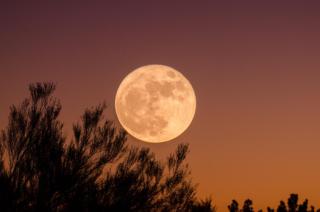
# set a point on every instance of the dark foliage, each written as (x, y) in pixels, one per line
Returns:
(247, 206)
(292, 206)
(96, 171)
(234, 206)
(40, 170)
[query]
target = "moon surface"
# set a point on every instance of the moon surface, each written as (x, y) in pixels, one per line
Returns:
(155, 103)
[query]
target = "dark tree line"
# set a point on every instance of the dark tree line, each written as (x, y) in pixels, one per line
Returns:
(40, 170)
(291, 206)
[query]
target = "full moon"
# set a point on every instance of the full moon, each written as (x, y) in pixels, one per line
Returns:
(155, 103)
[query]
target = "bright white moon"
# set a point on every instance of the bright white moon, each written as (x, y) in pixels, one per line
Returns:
(155, 103)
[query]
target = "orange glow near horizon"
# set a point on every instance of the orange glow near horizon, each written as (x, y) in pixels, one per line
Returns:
(254, 68)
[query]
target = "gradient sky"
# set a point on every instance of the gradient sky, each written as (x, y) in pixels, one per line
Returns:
(254, 65)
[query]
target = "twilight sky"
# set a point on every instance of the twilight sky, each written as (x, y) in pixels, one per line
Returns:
(254, 65)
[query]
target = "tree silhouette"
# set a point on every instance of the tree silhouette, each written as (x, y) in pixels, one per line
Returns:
(33, 143)
(247, 206)
(293, 202)
(292, 206)
(234, 206)
(282, 207)
(40, 170)
(203, 206)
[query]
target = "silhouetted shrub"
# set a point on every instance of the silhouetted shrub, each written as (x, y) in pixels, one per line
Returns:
(247, 206)
(234, 206)
(293, 202)
(292, 206)
(95, 171)
(282, 207)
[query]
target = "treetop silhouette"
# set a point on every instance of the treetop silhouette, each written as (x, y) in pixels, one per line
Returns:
(96, 170)
(41, 170)
(291, 206)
